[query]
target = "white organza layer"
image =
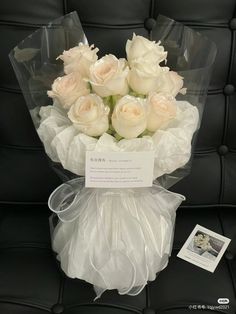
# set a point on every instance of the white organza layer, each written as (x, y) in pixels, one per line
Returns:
(113, 239)
(172, 146)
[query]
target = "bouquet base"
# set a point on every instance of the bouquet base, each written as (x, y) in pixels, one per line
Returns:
(113, 238)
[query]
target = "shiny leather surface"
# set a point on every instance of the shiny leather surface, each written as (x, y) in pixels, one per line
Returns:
(31, 281)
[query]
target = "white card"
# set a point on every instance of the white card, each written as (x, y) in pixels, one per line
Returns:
(204, 248)
(119, 169)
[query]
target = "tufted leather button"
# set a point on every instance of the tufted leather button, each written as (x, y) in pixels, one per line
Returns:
(229, 256)
(149, 24)
(58, 308)
(148, 310)
(223, 150)
(232, 24)
(229, 89)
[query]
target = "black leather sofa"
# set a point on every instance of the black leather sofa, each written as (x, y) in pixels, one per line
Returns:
(31, 281)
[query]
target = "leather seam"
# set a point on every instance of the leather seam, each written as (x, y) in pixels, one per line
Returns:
(96, 304)
(107, 25)
(65, 6)
(44, 203)
(20, 203)
(84, 24)
(21, 147)
(151, 9)
(22, 247)
(148, 298)
(61, 288)
(23, 303)
(110, 26)
(204, 25)
(226, 107)
(222, 205)
(232, 54)
(41, 149)
(222, 179)
(10, 90)
(21, 24)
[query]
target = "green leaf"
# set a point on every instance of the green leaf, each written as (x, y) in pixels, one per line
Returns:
(146, 133)
(118, 137)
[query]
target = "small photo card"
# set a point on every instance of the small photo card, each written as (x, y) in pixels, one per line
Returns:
(204, 248)
(119, 169)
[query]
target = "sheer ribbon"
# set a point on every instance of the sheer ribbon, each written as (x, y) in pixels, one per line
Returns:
(113, 238)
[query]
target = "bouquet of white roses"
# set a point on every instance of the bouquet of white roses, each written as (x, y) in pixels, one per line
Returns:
(112, 104)
(114, 238)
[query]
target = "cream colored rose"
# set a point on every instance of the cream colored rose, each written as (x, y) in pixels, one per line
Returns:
(108, 76)
(67, 89)
(89, 115)
(172, 83)
(144, 78)
(129, 118)
(140, 49)
(79, 59)
(161, 110)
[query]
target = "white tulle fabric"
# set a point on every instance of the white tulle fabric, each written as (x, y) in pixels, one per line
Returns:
(172, 146)
(114, 239)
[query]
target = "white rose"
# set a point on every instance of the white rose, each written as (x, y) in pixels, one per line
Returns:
(67, 89)
(79, 59)
(89, 115)
(144, 78)
(140, 49)
(129, 118)
(172, 83)
(161, 109)
(108, 76)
